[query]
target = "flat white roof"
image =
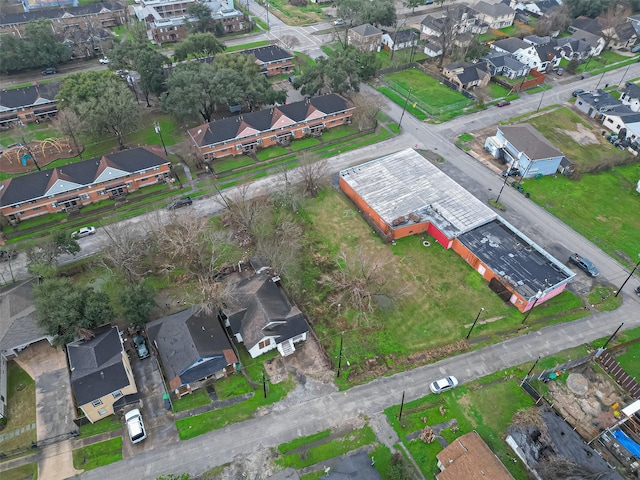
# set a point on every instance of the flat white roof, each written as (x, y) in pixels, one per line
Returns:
(405, 182)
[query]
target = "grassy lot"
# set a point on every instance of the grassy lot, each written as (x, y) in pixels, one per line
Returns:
(304, 143)
(25, 472)
(108, 424)
(291, 15)
(629, 359)
(400, 57)
(496, 91)
(602, 207)
(486, 409)
(426, 89)
(271, 152)
(339, 132)
(561, 126)
(98, 454)
(21, 408)
(398, 99)
(305, 457)
(423, 287)
(246, 46)
(231, 163)
(193, 400)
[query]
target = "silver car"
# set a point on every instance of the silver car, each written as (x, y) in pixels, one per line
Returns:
(444, 384)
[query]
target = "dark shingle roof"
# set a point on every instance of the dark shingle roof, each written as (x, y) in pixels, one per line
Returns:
(269, 53)
(493, 10)
(261, 302)
(192, 346)
(511, 44)
(18, 324)
(500, 60)
(599, 99)
(52, 13)
(70, 177)
(587, 24)
(474, 72)
(632, 90)
(263, 120)
(366, 30)
(403, 36)
(529, 141)
(96, 365)
(28, 96)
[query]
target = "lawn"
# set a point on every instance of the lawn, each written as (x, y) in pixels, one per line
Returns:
(486, 409)
(193, 400)
(98, 454)
(400, 57)
(602, 207)
(108, 424)
(246, 46)
(231, 163)
(399, 100)
(304, 143)
(292, 15)
(339, 132)
(497, 91)
(629, 360)
(563, 125)
(271, 152)
(421, 295)
(25, 472)
(426, 89)
(21, 408)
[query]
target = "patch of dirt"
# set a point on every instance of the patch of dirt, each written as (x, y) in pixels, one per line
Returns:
(44, 152)
(309, 360)
(582, 135)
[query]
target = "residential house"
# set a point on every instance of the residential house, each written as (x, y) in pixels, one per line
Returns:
(495, 15)
(519, 49)
(400, 39)
(84, 29)
(262, 317)
(365, 37)
(537, 8)
(622, 121)
(192, 346)
(272, 59)
(504, 64)
(469, 457)
(580, 46)
(28, 104)
(272, 126)
(545, 56)
(68, 188)
(467, 75)
(620, 36)
(631, 96)
(100, 373)
(456, 19)
(524, 147)
(594, 102)
(432, 49)
(18, 329)
(167, 20)
(403, 194)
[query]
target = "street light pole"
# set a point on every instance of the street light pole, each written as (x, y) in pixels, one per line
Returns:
(506, 177)
(538, 297)
(474, 322)
(340, 355)
(404, 109)
(541, 98)
(628, 278)
(159, 132)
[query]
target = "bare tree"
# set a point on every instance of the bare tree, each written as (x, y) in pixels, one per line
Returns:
(125, 252)
(245, 214)
(289, 41)
(280, 243)
(68, 124)
(555, 467)
(557, 20)
(313, 174)
(210, 295)
(367, 108)
(449, 30)
(612, 18)
(481, 94)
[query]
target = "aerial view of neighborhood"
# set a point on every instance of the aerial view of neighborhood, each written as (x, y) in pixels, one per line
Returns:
(320, 239)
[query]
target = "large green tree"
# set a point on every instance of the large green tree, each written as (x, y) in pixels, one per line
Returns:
(43, 255)
(78, 88)
(39, 48)
(137, 301)
(150, 65)
(65, 311)
(202, 15)
(199, 45)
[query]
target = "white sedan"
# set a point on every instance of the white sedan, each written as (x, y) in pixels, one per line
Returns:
(443, 384)
(84, 232)
(104, 60)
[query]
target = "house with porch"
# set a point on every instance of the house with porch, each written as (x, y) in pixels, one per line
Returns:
(595, 102)
(272, 59)
(631, 96)
(101, 375)
(467, 75)
(68, 188)
(193, 346)
(28, 104)
(365, 37)
(495, 15)
(524, 147)
(403, 194)
(615, 37)
(506, 65)
(517, 48)
(401, 39)
(580, 45)
(245, 133)
(262, 318)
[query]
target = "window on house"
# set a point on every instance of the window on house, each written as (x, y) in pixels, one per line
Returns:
(102, 411)
(117, 394)
(265, 343)
(96, 403)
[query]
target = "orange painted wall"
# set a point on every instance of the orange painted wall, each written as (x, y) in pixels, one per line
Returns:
(412, 229)
(364, 207)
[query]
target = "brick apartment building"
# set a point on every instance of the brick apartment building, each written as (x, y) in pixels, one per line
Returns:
(246, 133)
(68, 188)
(272, 60)
(28, 104)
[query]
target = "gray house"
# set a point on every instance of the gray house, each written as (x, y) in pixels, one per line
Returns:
(524, 147)
(596, 102)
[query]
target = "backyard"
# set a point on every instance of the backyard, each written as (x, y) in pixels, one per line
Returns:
(20, 430)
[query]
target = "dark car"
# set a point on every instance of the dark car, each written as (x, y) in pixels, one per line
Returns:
(141, 346)
(503, 103)
(6, 255)
(181, 202)
(512, 172)
(577, 91)
(584, 264)
(49, 71)
(560, 71)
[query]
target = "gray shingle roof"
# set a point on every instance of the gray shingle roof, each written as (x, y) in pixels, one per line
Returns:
(51, 13)
(529, 141)
(28, 96)
(599, 99)
(511, 44)
(96, 365)
(632, 90)
(191, 345)
(493, 9)
(35, 185)
(18, 324)
(269, 53)
(366, 30)
(260, 302)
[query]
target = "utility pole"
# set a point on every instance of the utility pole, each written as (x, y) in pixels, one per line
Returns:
(530, 370)
(159, 132)
(539, 295)
(628, 278)
(401, 406)
(264, 384)
(404, 109)
(612, 337)
(541, 98)
(474, 322)
(340, 354)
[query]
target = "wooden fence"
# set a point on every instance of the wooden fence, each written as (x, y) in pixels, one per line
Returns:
(613, 368)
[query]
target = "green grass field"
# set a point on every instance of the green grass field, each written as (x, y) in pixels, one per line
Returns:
(98, 454)
(21, 408)
(562, 126)
(427, 89)
(108, 424)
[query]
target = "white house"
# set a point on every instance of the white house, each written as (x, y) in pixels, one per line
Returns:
(496, 15)
(631, 96)
(400, 39)
(519, 49)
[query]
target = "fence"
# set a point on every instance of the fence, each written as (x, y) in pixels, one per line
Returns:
(431, 110)
(613, 368)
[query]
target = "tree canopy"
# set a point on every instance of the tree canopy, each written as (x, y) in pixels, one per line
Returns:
(39, 48)
(64, 310)
(199, 45)
(202, 13)
(43, 255)
(375, 12)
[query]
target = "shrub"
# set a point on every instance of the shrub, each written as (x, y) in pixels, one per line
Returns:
(298, 3)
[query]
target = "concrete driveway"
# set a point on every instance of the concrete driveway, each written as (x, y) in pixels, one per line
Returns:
(158, 421)
(54, 409)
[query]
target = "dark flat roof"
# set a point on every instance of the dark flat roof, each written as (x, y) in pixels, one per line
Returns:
(510, 254)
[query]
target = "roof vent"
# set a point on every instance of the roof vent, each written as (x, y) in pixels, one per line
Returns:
(199, 131)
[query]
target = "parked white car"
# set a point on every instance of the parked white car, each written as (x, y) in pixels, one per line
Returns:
(135, 426)
(104, 60)
(84, 232)
(444, 384)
